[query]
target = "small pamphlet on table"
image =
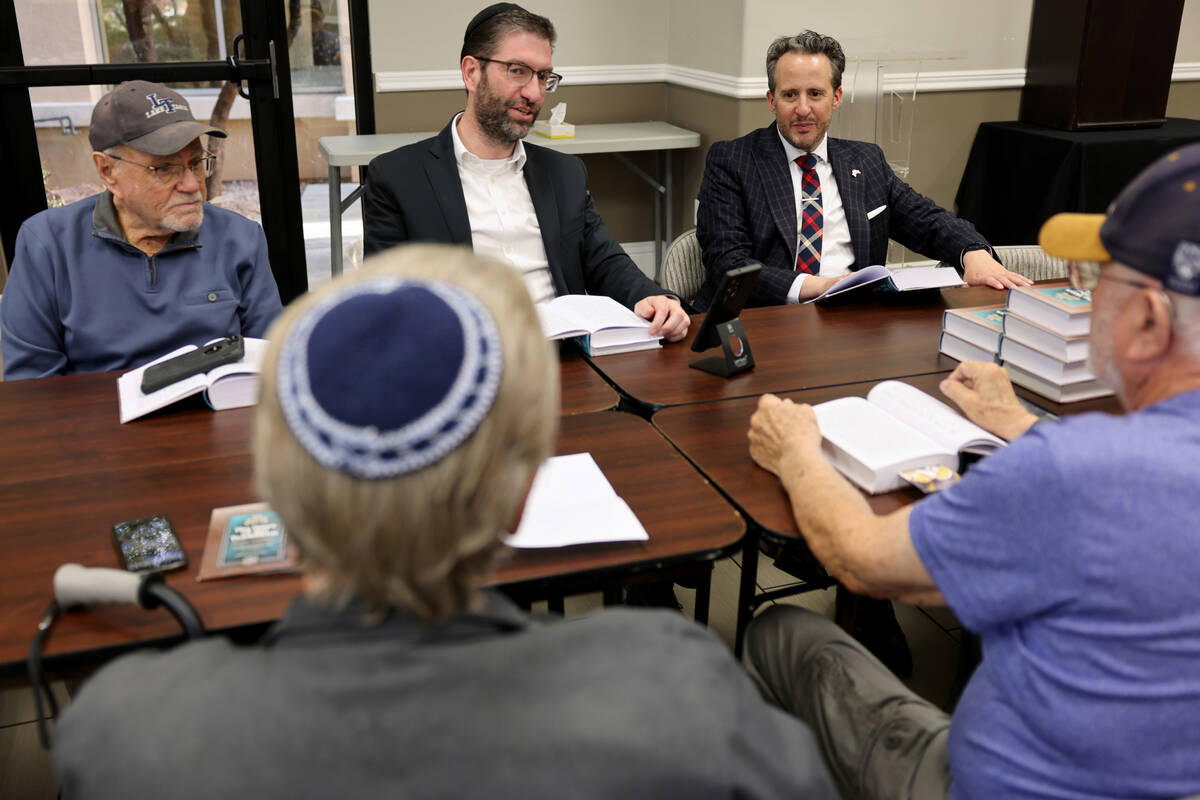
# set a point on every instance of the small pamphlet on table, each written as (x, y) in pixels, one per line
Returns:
(248, 539)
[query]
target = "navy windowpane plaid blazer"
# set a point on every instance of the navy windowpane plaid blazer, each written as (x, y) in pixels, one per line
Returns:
(748, 213)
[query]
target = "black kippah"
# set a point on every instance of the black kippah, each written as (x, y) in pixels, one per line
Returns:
(488, 13)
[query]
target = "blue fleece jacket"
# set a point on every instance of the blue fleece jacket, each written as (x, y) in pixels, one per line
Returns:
(80, 298)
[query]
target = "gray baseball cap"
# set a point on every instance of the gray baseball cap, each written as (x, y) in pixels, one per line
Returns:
(147, 117)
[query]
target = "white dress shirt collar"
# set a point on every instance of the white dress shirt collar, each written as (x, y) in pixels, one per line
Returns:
(821, 151)
(464, 156)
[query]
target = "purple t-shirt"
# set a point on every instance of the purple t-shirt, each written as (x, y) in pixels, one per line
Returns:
(1075, 555)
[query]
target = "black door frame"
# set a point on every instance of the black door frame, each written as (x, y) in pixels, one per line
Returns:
(264, 71)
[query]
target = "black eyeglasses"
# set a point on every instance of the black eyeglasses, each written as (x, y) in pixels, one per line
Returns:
(171, 174)
(520, 74)
(1086, 276)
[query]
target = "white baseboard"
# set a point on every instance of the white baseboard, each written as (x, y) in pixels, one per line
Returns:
(740, 87)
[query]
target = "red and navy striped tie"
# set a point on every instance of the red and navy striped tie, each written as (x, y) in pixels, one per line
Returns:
(808, 254)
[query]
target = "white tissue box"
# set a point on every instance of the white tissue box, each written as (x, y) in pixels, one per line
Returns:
(560, 130)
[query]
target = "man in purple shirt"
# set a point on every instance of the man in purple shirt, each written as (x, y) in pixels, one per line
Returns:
(1072, 553)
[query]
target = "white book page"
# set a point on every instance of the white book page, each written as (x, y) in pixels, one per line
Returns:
(572, 502)
(134, 404)
(872, 436)
(556, 324)
(236, 385)
(855, 279)
(596, 312)
(909, 278)
(254, 351)
(932, 417)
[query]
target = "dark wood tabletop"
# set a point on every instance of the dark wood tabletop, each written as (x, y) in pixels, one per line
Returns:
(713, 437)
(583, 389)
(55, 426)
(802, 347)
(63, 509)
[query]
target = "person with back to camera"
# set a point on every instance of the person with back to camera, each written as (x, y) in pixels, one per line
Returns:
(404, 410)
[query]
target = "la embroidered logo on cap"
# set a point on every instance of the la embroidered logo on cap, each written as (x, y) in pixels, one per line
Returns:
(162, 105)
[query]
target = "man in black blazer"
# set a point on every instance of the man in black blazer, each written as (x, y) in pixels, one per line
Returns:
(477, 183)
(749, 193)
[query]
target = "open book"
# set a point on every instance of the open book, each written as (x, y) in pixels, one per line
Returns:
(572, 502)
(880, 278)
(896, 427)
(600, 324)
(227, 386)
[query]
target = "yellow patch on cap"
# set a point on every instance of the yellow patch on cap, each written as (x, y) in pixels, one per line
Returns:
(1189, 186)
(1075, 237)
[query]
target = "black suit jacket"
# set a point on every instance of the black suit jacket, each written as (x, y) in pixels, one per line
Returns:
(748, 213)
(413, 194)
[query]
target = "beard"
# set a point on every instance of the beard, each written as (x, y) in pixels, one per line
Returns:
(178, 220)
(492, 113)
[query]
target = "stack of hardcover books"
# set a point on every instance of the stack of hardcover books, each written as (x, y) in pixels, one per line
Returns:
(972, 334)
(1040, 336)
(1045, 342)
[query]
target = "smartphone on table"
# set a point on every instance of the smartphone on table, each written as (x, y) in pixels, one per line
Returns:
(195, 362)
(148, 545)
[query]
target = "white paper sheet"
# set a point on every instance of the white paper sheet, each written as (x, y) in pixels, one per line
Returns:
(572, 502)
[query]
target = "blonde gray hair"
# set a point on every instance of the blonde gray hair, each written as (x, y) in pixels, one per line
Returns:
(426, 540)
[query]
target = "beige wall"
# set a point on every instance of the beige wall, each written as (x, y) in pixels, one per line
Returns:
(730, 37)
(981, 34)
(58, 32)
(405, 37)
(701, 35)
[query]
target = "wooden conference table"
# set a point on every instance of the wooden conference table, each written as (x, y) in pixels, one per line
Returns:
(810, 354)
(71, 471)
(617, 138)
(800, 347)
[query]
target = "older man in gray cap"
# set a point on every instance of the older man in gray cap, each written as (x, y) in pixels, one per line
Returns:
(115, 280)
(1072, 553)
(405, 409)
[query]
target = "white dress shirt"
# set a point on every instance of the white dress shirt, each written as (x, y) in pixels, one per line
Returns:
(837, 254)
(504, 225)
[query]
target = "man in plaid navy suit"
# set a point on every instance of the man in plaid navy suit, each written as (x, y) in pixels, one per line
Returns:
(852, 201)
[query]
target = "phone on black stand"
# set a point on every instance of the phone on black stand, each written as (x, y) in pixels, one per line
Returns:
(732, 293)
(148, 545)
(721, 328)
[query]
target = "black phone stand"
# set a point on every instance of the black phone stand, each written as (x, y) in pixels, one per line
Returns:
(735, 352)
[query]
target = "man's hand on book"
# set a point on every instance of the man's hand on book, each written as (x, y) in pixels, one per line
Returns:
(980, 269)
(666, 315)
(781, 432)
(985, 394)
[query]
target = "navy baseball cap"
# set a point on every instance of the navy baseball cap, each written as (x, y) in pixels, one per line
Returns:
(146, 116)
(1153, 226)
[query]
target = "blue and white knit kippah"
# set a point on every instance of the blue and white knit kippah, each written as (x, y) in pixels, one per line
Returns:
(389, 375)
